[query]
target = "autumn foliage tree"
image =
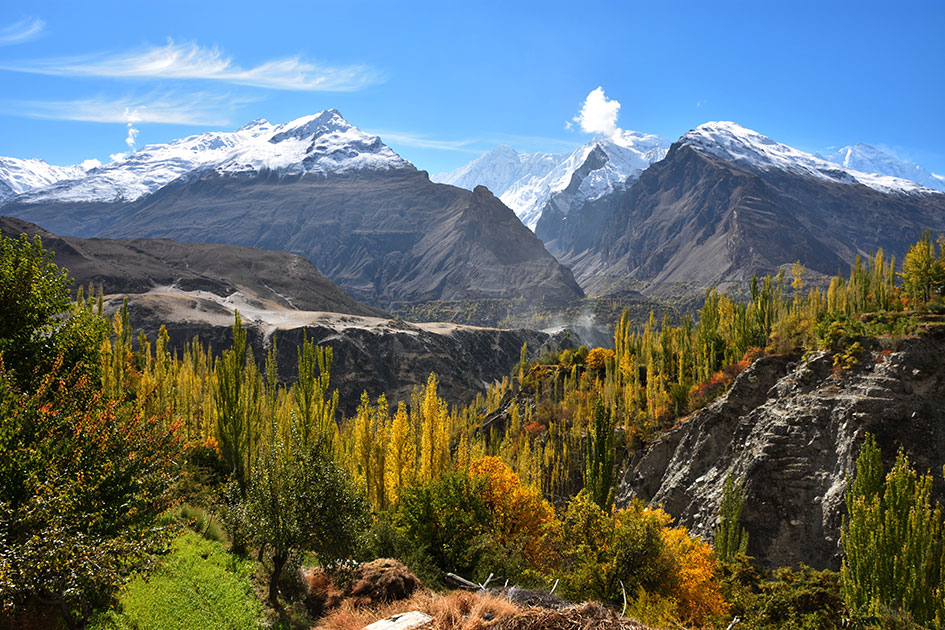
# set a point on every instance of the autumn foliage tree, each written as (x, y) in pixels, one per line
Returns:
(520, 517)
(636, 553)
(82, 480)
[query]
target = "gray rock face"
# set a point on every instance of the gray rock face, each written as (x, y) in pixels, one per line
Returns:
(792, 429)
(379, 356)
(698, 220)
(383, 237)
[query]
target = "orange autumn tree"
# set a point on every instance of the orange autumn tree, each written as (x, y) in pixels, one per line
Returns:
(520, 515)
(696, 590)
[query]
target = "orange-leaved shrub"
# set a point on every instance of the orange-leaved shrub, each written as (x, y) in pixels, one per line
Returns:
(666, 575)
(520, 516)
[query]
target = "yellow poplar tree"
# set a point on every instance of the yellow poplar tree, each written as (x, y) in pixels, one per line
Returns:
(401, 455)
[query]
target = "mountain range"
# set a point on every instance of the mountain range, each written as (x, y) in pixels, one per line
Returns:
(320, 188)
(531, 182)
(628, 211)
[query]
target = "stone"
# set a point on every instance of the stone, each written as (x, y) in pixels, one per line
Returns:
(403, 621)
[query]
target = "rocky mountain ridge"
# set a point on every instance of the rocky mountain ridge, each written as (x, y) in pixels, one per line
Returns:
(320, 188)
(716, 211)
(791, 427)
(240, 277)
(196, 289)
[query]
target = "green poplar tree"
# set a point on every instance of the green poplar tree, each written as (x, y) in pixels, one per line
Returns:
(601, 457)
(731, 538)
(892, 541)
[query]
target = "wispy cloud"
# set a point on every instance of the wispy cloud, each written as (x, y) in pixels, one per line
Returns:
(199, 108)
(533, 143)
(425, 142)
(191, 61)
(473, 145)
(22, 31)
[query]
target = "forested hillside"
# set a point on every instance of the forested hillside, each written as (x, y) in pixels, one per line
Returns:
(113, 445)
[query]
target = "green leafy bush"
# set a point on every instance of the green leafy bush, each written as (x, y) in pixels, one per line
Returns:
(299, 499)
(34, 335)
(447, 519)
(802, 599)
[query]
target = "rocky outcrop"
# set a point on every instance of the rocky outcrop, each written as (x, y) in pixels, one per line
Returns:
(792, 428)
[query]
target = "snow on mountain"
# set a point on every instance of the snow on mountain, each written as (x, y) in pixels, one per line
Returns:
(500, 168)
(868, 159)
(322, 143)
(19, 176)
(735, 143)
(526, 182)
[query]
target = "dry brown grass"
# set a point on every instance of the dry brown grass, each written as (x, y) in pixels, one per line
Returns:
(373, 584)
(458, 610)
(582, 617)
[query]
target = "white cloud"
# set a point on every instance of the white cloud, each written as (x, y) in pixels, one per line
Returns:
(423, 142)
(22, 31)
(200, 108)
(90, 164)
(132, 116)
(191, 61)
(598, 113)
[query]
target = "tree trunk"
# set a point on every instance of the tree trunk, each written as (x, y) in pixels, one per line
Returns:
(278, 563)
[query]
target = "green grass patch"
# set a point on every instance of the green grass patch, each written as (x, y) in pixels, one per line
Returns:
(198, 585)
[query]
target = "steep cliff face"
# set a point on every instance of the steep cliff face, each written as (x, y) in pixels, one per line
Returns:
(792, 428)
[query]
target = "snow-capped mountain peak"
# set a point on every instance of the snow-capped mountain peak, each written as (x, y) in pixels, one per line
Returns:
(321, 143)
(254, 124)
(868, 159)
(526, 182)
(328, 121)
(753, 150)
(19, 176)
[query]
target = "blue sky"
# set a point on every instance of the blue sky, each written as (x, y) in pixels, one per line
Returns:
(442, 82)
